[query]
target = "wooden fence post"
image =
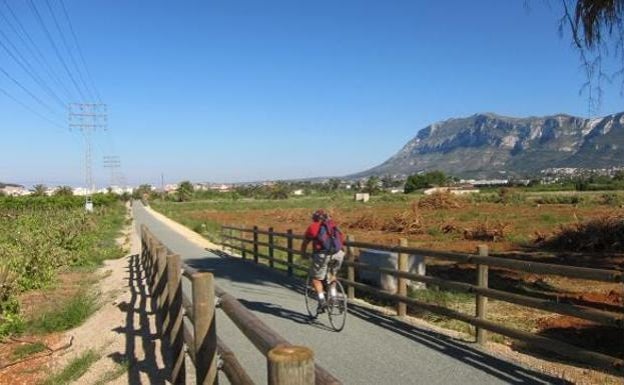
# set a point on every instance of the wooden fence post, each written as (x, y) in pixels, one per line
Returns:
(402, 282)
(290, 365)
(482, 282)
(161, 284)
(350, 269)
(176, 333)
(150, 263)
(155, 270)
(271, 249)
(289, 246)
(255, 243)
(243, 245)
(204, 328)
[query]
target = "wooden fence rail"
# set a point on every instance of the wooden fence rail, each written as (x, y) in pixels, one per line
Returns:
(247, 241)
(188, 323)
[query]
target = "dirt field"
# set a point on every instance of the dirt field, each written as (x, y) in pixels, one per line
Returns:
(456, 225)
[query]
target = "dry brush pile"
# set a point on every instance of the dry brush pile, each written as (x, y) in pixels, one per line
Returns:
(604, 234)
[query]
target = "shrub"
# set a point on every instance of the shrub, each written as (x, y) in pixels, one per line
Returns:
(559, 199)
(611, 199)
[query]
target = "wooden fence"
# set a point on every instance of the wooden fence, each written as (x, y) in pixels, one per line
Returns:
(188, 323)
(247, 242)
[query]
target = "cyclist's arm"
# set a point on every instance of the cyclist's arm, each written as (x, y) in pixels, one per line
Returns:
(304, 246)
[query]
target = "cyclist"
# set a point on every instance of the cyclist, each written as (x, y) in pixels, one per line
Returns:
(320, 229)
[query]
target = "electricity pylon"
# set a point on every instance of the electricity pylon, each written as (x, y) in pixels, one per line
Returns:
(88, 117)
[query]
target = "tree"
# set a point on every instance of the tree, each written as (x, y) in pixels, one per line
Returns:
(597, 28)
(415, 182)
(372, 185)
(185, 191)
(64, 191)
(387, 181)
(279, 190)
(421, 181)
(333, 184)
(39, 190)
(142, 191)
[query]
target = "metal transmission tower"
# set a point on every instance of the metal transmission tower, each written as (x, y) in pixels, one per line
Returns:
(88, 117)
(113, 163)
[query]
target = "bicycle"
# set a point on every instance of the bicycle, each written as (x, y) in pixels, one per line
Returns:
(336, 304)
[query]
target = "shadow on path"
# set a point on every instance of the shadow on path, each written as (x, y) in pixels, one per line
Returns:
(456, 349)
(136, 309)
(246, 272)
(279, 311)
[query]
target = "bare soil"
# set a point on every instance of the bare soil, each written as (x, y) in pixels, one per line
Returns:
(509, 230)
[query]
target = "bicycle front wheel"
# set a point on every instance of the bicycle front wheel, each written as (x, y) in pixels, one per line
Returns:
(337, 308)
(311, 298)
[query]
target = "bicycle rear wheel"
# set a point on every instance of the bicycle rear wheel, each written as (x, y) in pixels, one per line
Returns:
(311, 298)
(337, 308)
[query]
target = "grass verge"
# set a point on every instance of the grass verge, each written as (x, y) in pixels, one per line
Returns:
(26, 350)
(66, 316)
(75, 369)
(119, 370)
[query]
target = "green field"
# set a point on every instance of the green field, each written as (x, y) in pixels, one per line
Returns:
(42, 237)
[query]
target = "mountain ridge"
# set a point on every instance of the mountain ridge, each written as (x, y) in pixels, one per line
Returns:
(488, 145)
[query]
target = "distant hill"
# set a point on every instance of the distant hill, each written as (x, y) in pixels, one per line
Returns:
(3, 185)
(489, 145)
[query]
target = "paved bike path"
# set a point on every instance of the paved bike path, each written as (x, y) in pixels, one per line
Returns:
(372, 349)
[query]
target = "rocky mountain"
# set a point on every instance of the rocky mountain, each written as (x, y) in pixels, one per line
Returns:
(493, 146)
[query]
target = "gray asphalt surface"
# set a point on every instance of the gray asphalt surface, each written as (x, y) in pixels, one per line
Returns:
(372, 349)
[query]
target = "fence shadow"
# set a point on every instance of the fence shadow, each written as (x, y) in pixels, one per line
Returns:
(136, 312)
(245, 271)
(461, 351)
(282, 312)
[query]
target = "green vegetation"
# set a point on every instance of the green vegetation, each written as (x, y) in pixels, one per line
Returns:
(70, 314)
(421, 181)
(40, 236)
(26, 350)
(185, 191)
(119, 370)
(75, 369)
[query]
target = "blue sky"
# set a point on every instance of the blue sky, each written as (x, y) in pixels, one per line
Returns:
(246, 90)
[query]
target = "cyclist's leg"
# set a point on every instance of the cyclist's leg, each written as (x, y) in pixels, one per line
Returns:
(319, 270)
(334, 266)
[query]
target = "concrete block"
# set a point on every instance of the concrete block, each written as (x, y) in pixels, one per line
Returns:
(384, 259)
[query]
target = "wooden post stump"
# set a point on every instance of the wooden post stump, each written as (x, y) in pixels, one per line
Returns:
(290, 365)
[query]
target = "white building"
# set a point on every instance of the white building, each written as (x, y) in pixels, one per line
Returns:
(15, 190)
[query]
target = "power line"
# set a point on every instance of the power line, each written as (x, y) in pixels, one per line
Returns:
(26, 90)
(56, 50)
(69, 52)
(84, 63)
(23, 63)
(41, 59)
(31, 109)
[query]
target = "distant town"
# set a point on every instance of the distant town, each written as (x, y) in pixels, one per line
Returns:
(389, 183)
